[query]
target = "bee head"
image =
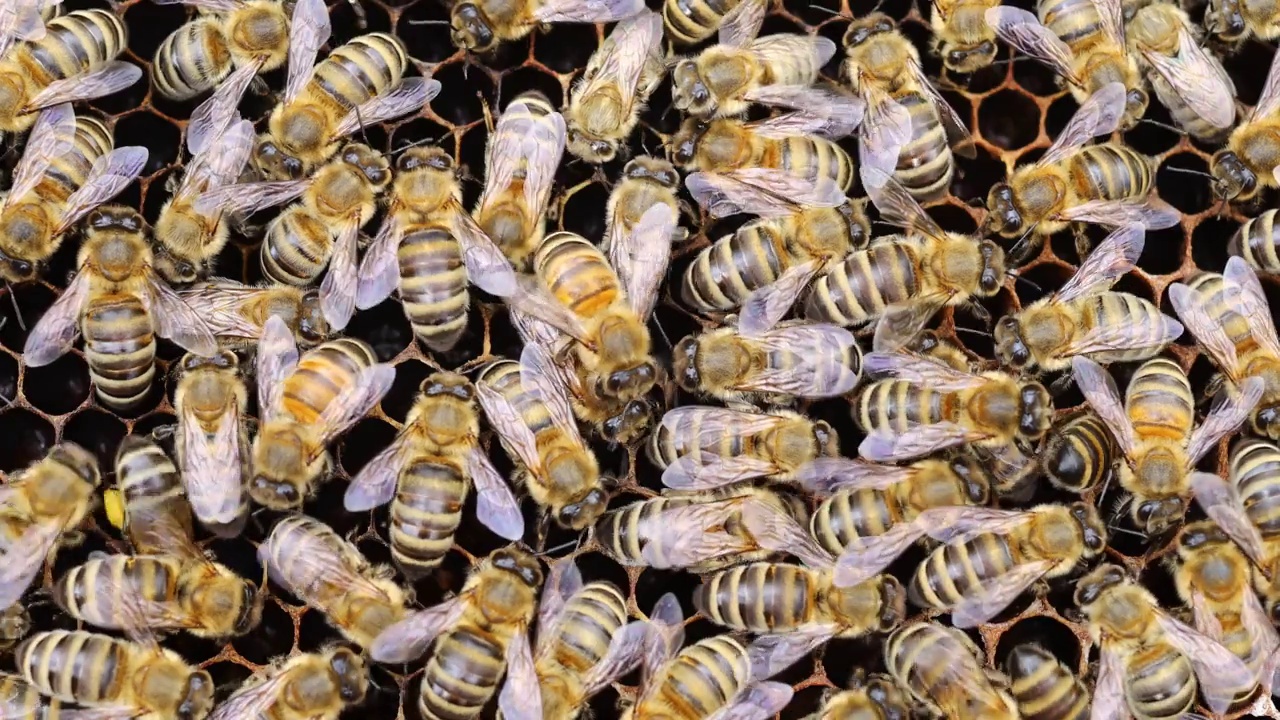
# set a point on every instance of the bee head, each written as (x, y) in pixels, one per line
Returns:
(1011, 348)
(893, 604)
(977, 487)
(175, 270)
(966, 59)
(197, 697)
(369, 162)
(1225, 20)
(993, 268)
(1159, 515)
(690, 93)
(1027, 660)
(80, 461)
(312, 327)
(351, 673)
(684, 362)
(115, 217)
(1091, 527)
(860, 31)
(628, 382)
(581, 513)
(1092, 586)
(520, 563)
(1233, 177)
(222, 360)
(273, 163)
(1135, 106)
(1035, 411)
(684, 145)
(630, 424)
(1003, 216)
(594, 150)
(1199, 535)
(470, 28)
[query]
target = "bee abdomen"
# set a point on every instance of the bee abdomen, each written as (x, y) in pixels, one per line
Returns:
(1142, 320)
(850, 514)
(504, 378)
(1080, 454)
(621, 532)
(425, 515)
(1111, 172)
(588, 623)
(761, 597)
(461, 676)
(954, 571)
(296, 248)
(692, 21)
(1044, 688)
(67, 172)
(859, 289)
(926, 164)
(577, 273)
(705, 675)
(191, 60)
(73, 666)
(362, 69)
(322, 374)
(433, 287)
(723, 275)
(1256, 241)
(76, 43)
(20, 699)
(94, 592)
(120, 347)
(1159, 683)
(1255, 471)
(1075, 22)
(1160, 402)
(897, 406)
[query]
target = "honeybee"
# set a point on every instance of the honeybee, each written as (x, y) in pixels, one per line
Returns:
(1045, 688)
(1155, 430)
(311, 561)
(148, 503)
(1084, 43)
(584, 641)
(534, 421)
(793, 360)
(74, 59)
(875, 697)
(689, 23)
(702, 447)
(902, 281)
(1188, 79)
(923, 406)
(237, 314)
(188, 240)
(702, 532)
(910, 133)
(478, 635)
(1079, 453)
(38, 505)
(1230, 318)
(940, 667)
(120, 304)
(114, 677)
(1150, 662)
(314, 686)
(428, 470)
(715, 677)
(479, 25)
(790, 144)
(21, 699)
(1248, 164)
(212, 443)
(1084, 319)
(1109, 184)
(607, 100)
(962, 36)
(645, 181)
(67, 168)
(1235, 21)
(306, 403)
(361, 83)
(520, 161)
(15, 622)
(429, 247)
(25, 21)
(1258, 243)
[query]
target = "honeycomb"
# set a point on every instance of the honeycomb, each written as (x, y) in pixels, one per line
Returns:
(1013, 108)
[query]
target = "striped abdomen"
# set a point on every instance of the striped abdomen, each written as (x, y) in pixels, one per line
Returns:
(504, 378)
(297, 247)
(433, 286)
(724, 274)
(759, 598)
(692, 21)
(1256, 241)
(667, 444)
(120, 347)
(73, 44)
(925, 164)
(1159, 402)
(1182, 114)
(939, 666)
(577, 273)
(807, 157)
(154, 498)
(850, 514)
(20, 699)
(623, 533)
(74, 666)
(1110, 172)
(1213, 298)
(1079, 454)
(68, 171)
(322, 374)
(192, 59)
(1044, 688)
(462, 675)
(699, 680)
(899, 405)
(583, 630)
(1158, 683)
(1143, 321)
(956, 570)
(97, 591)
(1075, 22)
(859, 289)
(360, 70)
(425, 514)
(1255, 471)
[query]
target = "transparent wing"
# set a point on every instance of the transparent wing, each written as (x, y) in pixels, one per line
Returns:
(1108, 695)
(506, 150)
(219, 110)
(1111, 259)
(496, 506)
(960, 523)
(506, 421)
(305, 558)
(1246, 296)
(211, 470)
(621, 58)
(410, 96)
(356, 401)
(174, 319)
(886, 128)
(541, 147)
(920, 370)
(897, 207)
(827, 111)
(277, 357)
(210, 5)
(958, 134)
(1222, 503)
(757, 702)
(832, 124)
(51, 137)
(684, 536)
(111, 78)
(375, 484)
(816, 365)
(22, 558)
(771, 654)
(1198, 78)
(58, 328)
(220, 304)
(1229, 411)
(640, 257)
(250, 197)
(759, 191)
(1025, 33)
(880, 446)
(1099, 115)
(212, 169)
(624, 654)
(1113, 336)
(521, 695)
(1207, 331)
(766, 306)
(252, 700)
(712, 471)
(379, 272)
(1152, 213)
(586, 11)
(309, 28)
(866, 557)
(902, 322)
(117, 603)
(563, 581)
(993, 597)
(1220, 672)
(826, 475)
(109, 175)
(773, 50)
(1111, 19)
(487, 268)
(19, 20)
(1100, 390)
(338, 289)
(1257, 624)
(1269, 99)
(665, 636)
(538, 376)
(741, 24)
(408, 639)
(775, 530)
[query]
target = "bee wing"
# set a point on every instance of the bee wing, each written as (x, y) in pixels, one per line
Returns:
(410, 96)
(684, 536)
(624, 654)
(1100, 390)
(818, 110)
(1110, 260)
(1221, 502)
(211, 169)
(408, 639)
(118, 604)
(832, 123)
(109, 175)
(960, 523)
(826, 475)
(1258, 626)
(1152, 213)
(211, 470)
(52, 136)
(760, 701)
(19, 21)
(816, 366)
(356, 400)
(535, 300)
(379, 273)
(252, 700)
(563, 581)
(741, 24)
(775, 50)
(1207, 331)
(538, 373)
(713, 471)
(623, 55)
(757, 191)
(1229, 411)
(277, 358)
(487, 268)
(338, 289)
(56, 330)
(250, 197)
(22, 557)
(1197, 78)
(1099, 115)
(881, 446)
(640, 257)
(896, 205)
(702, 425)
(1108, 695)
(219, 110)
(586, 11)
(543, 148)
(375, 484)
(886, 128)
(766, 306)
(506, 421)
(521, 695)
(1246, 297)
(1206, 623)
(219, 305)
(309, 28)
(210, 5)
(920, 370)
(866, 557)
(1123, 335)
(771, 654)
(496, 506)
(958, 135)
(1111, 18)
(990, 599)
(662, 641)
(1024, 32)
(903, 322)
(1269, 99)
(174, 319)
(111, 78)
(1221, 674)
(775, 530)
(525, 150)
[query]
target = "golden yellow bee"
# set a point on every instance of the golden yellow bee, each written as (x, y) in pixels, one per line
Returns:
(212, 442)
(961, 34)
(1258, 243)
(1249, 162)
(791, 144)
(1044, 687)
(874, 697)
(1235, 21)
(237, 314)
(479, 25)
(940, 667)
(25, 21)
(477, 635)
(307, 686)
(689, 23)
(148, 503)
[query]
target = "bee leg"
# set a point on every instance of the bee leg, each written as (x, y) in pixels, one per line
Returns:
(362, 18)
(1062, 384)
(1083, 244)
(980, 313)
(165, 433)
(258, 86)
(1211, 390)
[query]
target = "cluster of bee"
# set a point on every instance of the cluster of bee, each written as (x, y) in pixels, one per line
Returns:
(967, 493)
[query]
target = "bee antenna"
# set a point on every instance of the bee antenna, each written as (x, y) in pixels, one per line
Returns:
(575, 544)
(1189, 171)
(1166, 126)
(427, 22)
(1126, 531)
(837, 13)
(17, 312)
(1019, 278)
(1011, 60)
(362, 18)
(360, 121)
(1023, 242)
(972, 331)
